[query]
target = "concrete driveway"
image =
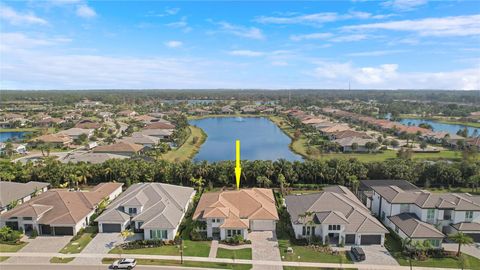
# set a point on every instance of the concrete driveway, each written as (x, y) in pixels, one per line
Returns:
(377, 255)
(265, 248)
(102, 243)
(41, 244)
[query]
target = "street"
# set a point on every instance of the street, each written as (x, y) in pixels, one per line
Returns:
(85, 267)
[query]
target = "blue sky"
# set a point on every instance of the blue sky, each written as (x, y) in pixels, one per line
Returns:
(392, 44)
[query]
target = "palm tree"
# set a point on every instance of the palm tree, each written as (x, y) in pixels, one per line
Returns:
(461, 239)
(125, 234)
(263, 181)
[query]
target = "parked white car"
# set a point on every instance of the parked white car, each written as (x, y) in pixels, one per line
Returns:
(124, 264)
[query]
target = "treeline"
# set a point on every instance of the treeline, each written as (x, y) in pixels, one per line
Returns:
(255, 173)
(299, 97)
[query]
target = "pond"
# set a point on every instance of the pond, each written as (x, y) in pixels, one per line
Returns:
(259, 137)
(14, 135)
(450, 128)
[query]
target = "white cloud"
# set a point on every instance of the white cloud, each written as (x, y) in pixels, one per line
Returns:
(85, 11)
(241, 31)
(14, 17)
(181, 24)
(280, 63)
(329, 37)
(388, 76)
(174, 44)
(468, 25)
(317, 18)
(404, 5)
(21, 41)
(376, 53)
(166, 12)
(248, 53)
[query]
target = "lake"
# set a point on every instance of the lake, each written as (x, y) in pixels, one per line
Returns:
(4, 136)
(259, 137)
(450, 128)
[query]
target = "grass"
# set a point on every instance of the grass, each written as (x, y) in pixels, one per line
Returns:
(454, 190)
(394, 247)
(78, 245)
(188, 149)
(190, 248)
(12, 248)
(61, 260)
(18, 129)
(244, 253)
(310, 268)
(186, 264)
(306, 254)
(2, 258)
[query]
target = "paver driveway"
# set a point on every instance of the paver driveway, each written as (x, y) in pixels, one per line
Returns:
(41, 244)
(377, 255)
(471, 250)
(265, 248)
(102, 243)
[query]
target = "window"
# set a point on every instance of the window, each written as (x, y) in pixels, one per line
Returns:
(333, 227)
(396, 229)
(231, 233)
(383, 215)
(430, 214)
(404, 208)
(308, 230)
(132, 211)
(434, 242)
(27, 218)
(469, 215)
(139, 224)
(304, 230)
(158, 234)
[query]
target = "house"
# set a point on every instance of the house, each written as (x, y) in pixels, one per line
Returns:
(142, 139)
(120, 148)
(13, 193)
(154, 209)
(88, 104)
(227, 109)
(348, 133)
(365, 191)
(160, 125)
(88, 124)
(361, 144)
(235, 212)
(93, 158)
(445, 212)
(59, 211)
(335, 216)
(57, 140)
(159, 133)
(49, 122)
(127, 113)
(75, 133)
(16, 148)
(106, 116)
(334, 128)
(473, 142)
(146, 119)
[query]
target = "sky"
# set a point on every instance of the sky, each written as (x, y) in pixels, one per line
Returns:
(390, 44)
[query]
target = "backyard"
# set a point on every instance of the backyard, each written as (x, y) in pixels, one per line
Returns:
(394, 247)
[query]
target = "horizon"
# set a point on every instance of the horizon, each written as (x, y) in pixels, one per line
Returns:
(326, 45)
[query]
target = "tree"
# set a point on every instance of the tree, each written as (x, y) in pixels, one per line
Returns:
(198, 182)
(45, 148)
(394, 143)
(461, 239)
(8, 149)
(371, 146)
(263, 181)
(283, 183)
(354, 147)
(423, 145)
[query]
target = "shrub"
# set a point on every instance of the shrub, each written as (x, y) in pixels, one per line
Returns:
(144, 244)
(8, 235)
(34, 234)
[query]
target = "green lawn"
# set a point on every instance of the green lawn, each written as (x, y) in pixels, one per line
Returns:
(188, 149)
(78, 245)
(244, 253)
(61, 260)
(447, 262)
(306, 254)
(12, 248)
(186, 264)
(3, 258)
(190, 248)
(311, 268)
(454, 190)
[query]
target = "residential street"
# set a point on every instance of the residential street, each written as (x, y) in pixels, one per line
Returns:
(85, 267)
(38, 245)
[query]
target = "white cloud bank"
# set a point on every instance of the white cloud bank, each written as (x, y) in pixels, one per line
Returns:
(174, 44)
(85, 11)
(14, 17)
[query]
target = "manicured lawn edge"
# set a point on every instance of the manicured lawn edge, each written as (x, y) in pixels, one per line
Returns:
(188, 149)
(83, 241)
(307, 254)
(185, 263)
(12, 248)
(244, 253)
(190, 248)
(61, 260)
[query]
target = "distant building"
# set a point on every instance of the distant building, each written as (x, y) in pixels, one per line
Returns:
(13, 193)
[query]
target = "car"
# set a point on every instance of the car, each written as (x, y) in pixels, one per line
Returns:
(124, 264)
(358, 253)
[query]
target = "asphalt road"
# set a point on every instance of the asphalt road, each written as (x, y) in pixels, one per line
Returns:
(83, 267)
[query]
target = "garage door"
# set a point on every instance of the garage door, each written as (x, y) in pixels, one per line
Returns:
(475, 237)
(350, 239)
(371, 240)
(263, 225)
(12, 224)
(45, 229)
(111, 227)
(62, 230)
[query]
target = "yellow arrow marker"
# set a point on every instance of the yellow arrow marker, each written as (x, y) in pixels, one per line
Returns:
(238, 168)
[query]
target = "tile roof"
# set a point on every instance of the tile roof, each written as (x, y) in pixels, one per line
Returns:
(160, 125)
(237, 206)
(12, 191)
(467, 226)
(53, 138)
(118, 147)
(163, 205)
(335, 205)
(411, 226)
(140, 138)
(63, 207)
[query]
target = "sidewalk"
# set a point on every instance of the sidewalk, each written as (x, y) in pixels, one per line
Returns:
(230, 261)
